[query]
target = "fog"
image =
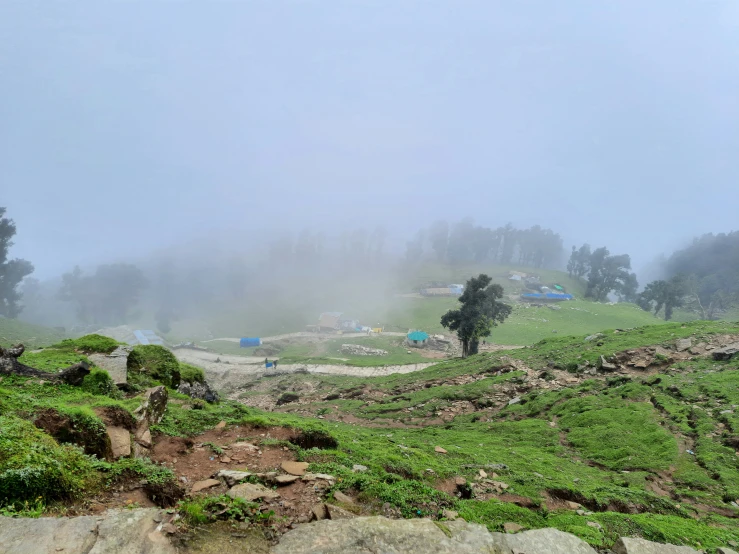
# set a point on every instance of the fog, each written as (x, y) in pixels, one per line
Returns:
(201, 133)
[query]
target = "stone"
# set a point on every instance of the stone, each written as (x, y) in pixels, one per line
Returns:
(294, 468)
(359, 350)
(439, 449)
(365, 535)
(206, 484)
(153, 405)
(726, 353)
(510, 527)
(596, 336)
(551, 541)
(310, 477)
(221, 425)
(251, 492)
(334, 512)
(513, 401)
(626, 545)
(573, 505)
(605, 365)
(341, 497)
(120, 442)
(359, 468)
(231, 477)
(319, 512)
(114, 363)
(683, 344)
(286, 479)
(169, 528)
(725, 551)
(483, 475)
(112, 532)
(595, 525)
(450, 514)
(199, 391)
(143, 436)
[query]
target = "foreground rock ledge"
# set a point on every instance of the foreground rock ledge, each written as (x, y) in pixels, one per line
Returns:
(379, 535)
(114, 532)
(375, 535)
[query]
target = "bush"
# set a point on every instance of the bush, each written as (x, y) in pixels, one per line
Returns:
(89, 344)
(191, 374)
(34, 466)
(151, 364)
(99, 382)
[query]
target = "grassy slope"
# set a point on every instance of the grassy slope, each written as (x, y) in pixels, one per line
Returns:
(603, 428)
(13, 331)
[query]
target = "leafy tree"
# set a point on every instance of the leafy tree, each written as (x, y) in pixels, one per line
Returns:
(12, 271)
(438, 235)
(481, 311)
(105, 297)
(579, 264)
(608, 274)
(414, 248)
(668, 294)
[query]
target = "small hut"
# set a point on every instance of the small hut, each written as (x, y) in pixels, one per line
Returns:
(417, 338)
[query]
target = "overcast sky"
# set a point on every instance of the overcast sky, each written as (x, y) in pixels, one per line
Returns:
(131, 125)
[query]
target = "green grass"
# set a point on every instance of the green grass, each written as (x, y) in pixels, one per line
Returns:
(32, 336)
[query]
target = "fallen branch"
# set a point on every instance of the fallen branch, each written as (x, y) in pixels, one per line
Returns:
(9, 365)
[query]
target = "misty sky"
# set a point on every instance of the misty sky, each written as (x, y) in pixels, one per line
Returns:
(132, 125)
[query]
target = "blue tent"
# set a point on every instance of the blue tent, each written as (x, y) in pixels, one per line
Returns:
(250, 342)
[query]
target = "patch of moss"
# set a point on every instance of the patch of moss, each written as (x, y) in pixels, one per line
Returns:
(89, 344)
(151, 364)
(191, 374)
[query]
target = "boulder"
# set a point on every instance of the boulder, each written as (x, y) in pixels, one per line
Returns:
(682, 345)
(341, 497)
(251, 492)
(285, 479)
(206, 484)
(120, 442)
(605, 365)
(113, 532)
(334, 512)
(725, 551)
(201, 391)
(153, 405)
(726, 353)
(511, 527)
(294, 468)
(626, 545)
(231, 477)
(114, 363)
(549, 541)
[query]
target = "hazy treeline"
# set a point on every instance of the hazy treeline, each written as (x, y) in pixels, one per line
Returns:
(465, 242)
(604, 273)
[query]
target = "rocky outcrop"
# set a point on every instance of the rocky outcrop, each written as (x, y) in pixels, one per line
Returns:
(726, 353)
(359, 350)
(113, 532)
(114, 363)
(200, 391)
(640, 546)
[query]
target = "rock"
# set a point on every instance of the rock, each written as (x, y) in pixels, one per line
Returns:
(286, 479)
(359, 468)
(341, 497)
(251, 492)
(366, 535)
(201, 391)
(551, 541)
(511, 527)
(334, 512)
(114, 363)
(221, 425)
(595, 524)
(318, 476)
(232, 477)
(169, 528)
(120, 442)
(596, 336)
(153, 405)
(513, 401)
(726, 353)
(294, 468)
(206, 484)
(113, 532)
(627, 545)
(143, 436)
(450, 514)
(605, 365)
(439, 449)
(319, 512)
(725, 551)
(683, 344)
(573, 505)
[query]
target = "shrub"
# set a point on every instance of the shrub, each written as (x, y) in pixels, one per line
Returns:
(150, 364)
(89, 344)
(34, 466)
(191, 374)
(99, 382)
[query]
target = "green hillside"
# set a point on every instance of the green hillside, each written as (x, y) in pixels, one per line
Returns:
(13, 331)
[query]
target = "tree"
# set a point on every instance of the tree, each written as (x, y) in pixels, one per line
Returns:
(579, 264)
(668, 294)
(608, 274)
(12, 272)
(414, 248)
(105, 297)
(438, 235)
(480, 312)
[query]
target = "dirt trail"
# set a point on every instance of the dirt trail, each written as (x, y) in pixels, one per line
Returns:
(233, 371)
(312, 336)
